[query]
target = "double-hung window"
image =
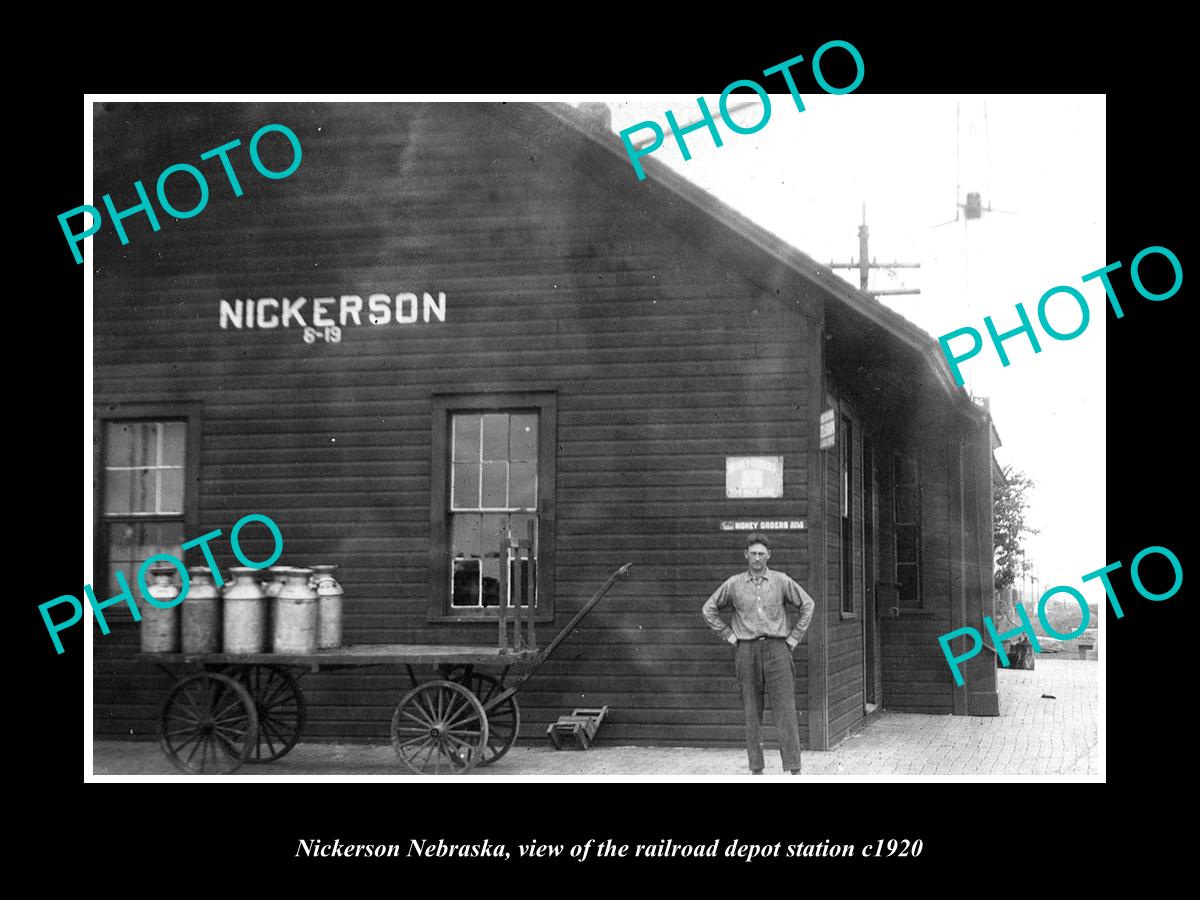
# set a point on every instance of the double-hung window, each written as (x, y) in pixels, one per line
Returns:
(907, 524)
(847, 444)
(145, 498)
(493, 475)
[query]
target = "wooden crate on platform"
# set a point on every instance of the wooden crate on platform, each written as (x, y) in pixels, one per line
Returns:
(576, 731)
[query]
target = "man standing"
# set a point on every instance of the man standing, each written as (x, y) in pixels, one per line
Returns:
(764, 647)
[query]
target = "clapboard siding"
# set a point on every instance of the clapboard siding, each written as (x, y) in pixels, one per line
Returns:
(914, 670)
(874, 508)
(847, 692)
(663, 360)
(845, 633)
(935, 525)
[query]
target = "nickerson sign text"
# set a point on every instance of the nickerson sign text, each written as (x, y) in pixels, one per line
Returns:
(323, 318)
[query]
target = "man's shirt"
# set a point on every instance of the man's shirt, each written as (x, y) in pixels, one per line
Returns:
(758, 606)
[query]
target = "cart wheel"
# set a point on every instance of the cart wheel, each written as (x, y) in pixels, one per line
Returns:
(279, 703)
(503, 719)
(437, 726)
(209, 724)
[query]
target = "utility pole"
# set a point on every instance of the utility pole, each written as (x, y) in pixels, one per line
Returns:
(864, 267)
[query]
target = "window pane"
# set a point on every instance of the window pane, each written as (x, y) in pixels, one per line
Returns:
(122, 536)
(117, 490)
(494, 525)
(160, 537)
(906, 470)
(521, 591)
(495, 436)
(171, 498)
(129, 491)
(131, 444)
(466, 582)
(906, 504)
(522, 440)
(906, 544)
(522, 485)
(145, 444)
(847, 566)
(491, 581)
(495, 484)
(466, 437)
(847, 464)
(466, 486)
(520, 525)
(144, 489)
(118, 444)
(464, 535)
(908, 576)
(131, 543)
(174, 442)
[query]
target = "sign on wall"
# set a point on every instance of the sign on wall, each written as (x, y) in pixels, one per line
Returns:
(325, 318)
(763, 525)
(828, 429)
(753, 476)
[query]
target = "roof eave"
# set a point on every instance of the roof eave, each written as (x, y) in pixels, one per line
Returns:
(799, 262)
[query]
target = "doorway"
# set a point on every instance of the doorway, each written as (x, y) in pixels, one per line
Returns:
(872, 683)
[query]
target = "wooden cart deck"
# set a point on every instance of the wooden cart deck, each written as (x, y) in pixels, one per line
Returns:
(361, 655)
(248, 707)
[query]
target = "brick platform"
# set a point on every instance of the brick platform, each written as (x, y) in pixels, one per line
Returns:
(1031, 736)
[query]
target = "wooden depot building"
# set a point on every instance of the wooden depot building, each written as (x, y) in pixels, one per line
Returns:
(501, 326)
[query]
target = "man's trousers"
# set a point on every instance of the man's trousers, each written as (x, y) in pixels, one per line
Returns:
(767, 664)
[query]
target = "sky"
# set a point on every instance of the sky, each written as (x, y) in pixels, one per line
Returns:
(911, 159)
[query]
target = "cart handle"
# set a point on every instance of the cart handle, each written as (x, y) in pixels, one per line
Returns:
(562, 635)
(587, 608)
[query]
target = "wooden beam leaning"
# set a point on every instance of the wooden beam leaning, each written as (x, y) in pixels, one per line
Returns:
(502, 612)
(518, 595)
(531, 584)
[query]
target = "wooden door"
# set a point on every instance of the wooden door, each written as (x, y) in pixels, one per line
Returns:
(872, 683)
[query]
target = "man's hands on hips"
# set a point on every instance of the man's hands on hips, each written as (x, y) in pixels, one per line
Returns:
(791, 642)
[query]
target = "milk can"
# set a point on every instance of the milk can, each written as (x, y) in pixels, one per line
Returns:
(273, 580)
(245, 613)
(296, 613)
(160, 627)
(200, 613)
(272, 584)
(329, 600)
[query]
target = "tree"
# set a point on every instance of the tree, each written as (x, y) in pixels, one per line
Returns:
(1009, 505)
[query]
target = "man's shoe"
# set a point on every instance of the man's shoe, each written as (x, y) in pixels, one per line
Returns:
(756, 771)
(795, 771)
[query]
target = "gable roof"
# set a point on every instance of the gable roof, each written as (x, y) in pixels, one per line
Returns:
(777, 249)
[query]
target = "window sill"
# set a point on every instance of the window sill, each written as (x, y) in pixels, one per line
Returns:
(849, 615)
(487, 618)
(117, 613)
